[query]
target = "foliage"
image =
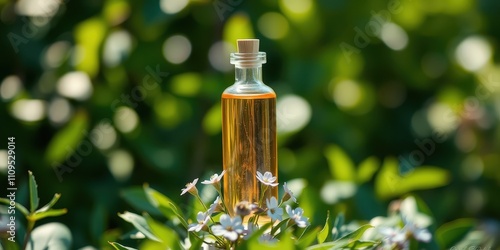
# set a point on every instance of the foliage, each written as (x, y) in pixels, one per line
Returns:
(377, 101)
(51, 235)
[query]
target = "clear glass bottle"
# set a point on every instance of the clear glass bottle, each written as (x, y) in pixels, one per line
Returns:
(248, 128)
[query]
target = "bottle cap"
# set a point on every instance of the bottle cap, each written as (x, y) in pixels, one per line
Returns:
(248, 54)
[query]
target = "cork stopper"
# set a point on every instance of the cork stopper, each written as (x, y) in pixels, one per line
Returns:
(248, 54)
(248, 46)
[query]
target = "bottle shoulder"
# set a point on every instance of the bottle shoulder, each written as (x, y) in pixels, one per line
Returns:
(239, 88)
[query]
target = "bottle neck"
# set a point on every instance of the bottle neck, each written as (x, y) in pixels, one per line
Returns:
(248, 75)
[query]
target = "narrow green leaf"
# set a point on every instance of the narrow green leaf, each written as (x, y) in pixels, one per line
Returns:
(195, 243)
(308, 238)
(67, 138)
(139, 223)
(362, 244)
(323, 234)
(451, 233)
(48, 213)
(119, 246)
(168, 237)
(34, 200)
(137, 198)
(367, 168)
(19, 207)
(165, 205)
(341, 166)
(50, 204)
(356, 234)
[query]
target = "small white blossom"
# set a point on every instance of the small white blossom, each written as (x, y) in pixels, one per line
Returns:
(214, 206)
(267, 179)
(273, 211)
(288, 194)
(393, 237)
(214, 179)
(191, 188)
(202, 219)
(419, 233)
(297, 215)
(229, 227)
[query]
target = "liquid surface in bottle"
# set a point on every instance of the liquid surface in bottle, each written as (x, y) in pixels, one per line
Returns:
(249, 145)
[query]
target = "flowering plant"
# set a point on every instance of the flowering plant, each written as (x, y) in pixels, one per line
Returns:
(286, 227)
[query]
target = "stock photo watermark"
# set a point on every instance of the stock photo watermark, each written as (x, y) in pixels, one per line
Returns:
(372, 28)
(225, 6)
(32, 26)
(74, 156)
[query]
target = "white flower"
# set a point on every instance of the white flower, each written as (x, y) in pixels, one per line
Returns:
(273, 211)
(214, 206)
(297, 216)
(229, 227)
(191, 188)
(288, 194)
(267, 179)
(214, 179)
(419, 233)
(202, 219)
(393, 237)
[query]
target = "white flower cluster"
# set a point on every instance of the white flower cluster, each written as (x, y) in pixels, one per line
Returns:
(227, 230)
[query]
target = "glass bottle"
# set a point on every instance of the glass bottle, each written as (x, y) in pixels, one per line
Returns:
(248, 129)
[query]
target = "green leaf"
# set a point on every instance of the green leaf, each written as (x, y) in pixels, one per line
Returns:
(34, 200)
(308, 238)
(389, 183)
(137, 198)
(323, 234)
(50, 236)
(67, 138)
(367, 168)
(119, 246)
(356, 235)
(165, 205)
(19, 207)
(451, 233)
(168, 237)
(348, 241)
(341, 166)
(50, 204)
(139, 223)
(48, 213)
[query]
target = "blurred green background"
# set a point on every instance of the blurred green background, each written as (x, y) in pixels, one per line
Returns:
(376, 99)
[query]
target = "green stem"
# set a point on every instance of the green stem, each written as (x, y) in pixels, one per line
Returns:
(29, 228)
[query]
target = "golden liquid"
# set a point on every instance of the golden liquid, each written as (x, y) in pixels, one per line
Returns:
(249, 145)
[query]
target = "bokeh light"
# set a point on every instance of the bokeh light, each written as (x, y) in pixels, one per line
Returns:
(442, 118)
(216, 59)
(177, 49)
(273, 25)
(126, 119)
(60, 111)
(120, 164)
(56, 54)
(10, 87)
(3, 161)
(44, 8)
(29, 110)
(117, 47)
(394, 36)
(75, 85)
(293, 113)
(473, 53)
(104, 135)
(173, 6)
